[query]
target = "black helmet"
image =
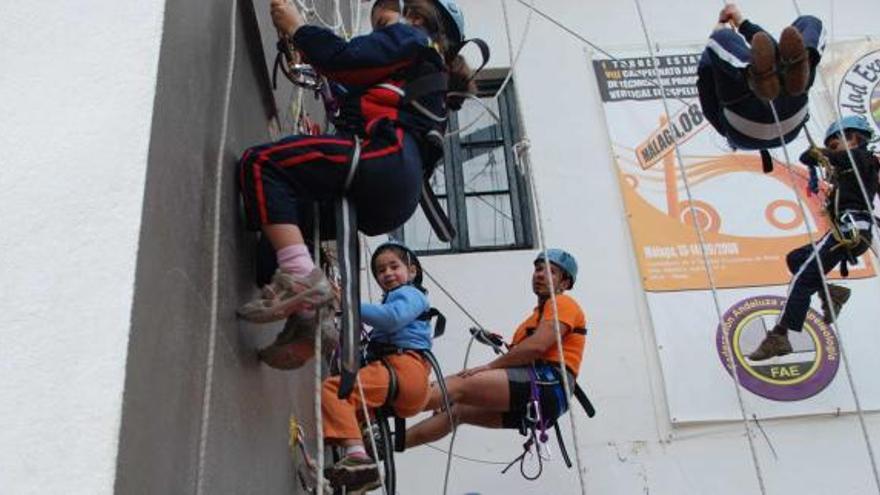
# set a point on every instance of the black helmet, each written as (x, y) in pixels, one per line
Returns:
(410, 254)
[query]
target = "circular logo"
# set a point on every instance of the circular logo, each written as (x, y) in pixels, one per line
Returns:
(804, 373)
(859, 92)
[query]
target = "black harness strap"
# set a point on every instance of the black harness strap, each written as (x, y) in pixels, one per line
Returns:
(437, 82)
(581, 397)
(561, 443)
(484, 53)
(766, 161)
(437, 217)
(393, 388)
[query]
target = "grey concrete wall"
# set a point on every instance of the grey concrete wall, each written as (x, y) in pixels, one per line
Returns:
(200, 413)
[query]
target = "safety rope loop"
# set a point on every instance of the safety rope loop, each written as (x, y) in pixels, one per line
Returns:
(319, 419)
(563, 371)
(827, 293)
(705, 255)
(514, 60)
(371, 433)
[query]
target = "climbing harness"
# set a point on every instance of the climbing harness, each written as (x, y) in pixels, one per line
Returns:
(534, 423)
(420, 80)
(827, 296)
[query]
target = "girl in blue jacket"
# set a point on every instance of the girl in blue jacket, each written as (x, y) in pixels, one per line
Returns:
(401, 329)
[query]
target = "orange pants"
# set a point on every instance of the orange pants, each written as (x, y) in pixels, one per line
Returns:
(340, 416)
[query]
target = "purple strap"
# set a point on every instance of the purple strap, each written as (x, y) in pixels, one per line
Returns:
(535, 401)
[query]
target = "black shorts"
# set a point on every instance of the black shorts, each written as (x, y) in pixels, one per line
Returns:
(553, 401)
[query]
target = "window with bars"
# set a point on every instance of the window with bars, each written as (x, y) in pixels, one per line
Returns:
(479, 184)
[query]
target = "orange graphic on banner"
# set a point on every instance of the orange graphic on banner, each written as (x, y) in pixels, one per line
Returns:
(668, 249)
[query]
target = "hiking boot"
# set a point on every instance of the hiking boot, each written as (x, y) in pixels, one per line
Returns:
(794, 62)
(288, 294)
(357, 473)
(294, 346)
(761, 74)
(839, 297)
(773, 345)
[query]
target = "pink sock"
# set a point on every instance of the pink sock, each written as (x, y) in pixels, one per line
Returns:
(356, 451)
(295, 259)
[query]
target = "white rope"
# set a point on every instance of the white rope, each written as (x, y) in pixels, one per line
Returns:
(514, 60)
(705, 255)
(372, 434)
(215, 256)
(563, 372)
(869, 204)
(825, 290)
(319, 418)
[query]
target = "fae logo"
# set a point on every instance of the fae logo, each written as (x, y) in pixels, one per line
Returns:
(859, 93)
(799, 375)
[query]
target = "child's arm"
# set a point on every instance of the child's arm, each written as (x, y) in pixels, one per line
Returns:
(364, 60)
(402, 307)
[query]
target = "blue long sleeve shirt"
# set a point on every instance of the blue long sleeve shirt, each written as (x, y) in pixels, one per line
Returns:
(396, 320)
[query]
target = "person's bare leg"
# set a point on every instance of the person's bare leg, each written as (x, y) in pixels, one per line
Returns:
(282, 235)
(489, 390)
(438, 426)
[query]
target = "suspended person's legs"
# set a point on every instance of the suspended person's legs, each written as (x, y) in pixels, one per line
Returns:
(356, 470)
(806, 281)
(438, 426)
(277, 180)
(479, 399)
(729, 56)
(488, 389)
(800, 49)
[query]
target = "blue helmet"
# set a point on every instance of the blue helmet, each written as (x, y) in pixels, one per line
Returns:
(412, 259)
(454, 19)
(856, 123)
(563, 260)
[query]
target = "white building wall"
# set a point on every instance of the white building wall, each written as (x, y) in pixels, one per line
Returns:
(631, 446)
(76, 96)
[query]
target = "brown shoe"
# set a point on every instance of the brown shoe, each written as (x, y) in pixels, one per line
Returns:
(773, 345)
(294, 346)
(762, 76)
(794, 62)
(839, 297)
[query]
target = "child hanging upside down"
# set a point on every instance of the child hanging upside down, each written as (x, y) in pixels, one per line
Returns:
(395, 137)
(743, 69)
(849, 237)
(400, 331)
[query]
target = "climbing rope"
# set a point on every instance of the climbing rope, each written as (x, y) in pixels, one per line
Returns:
(372, 434)
(710, 275)
(210, 358)
(825, 290)
(514, 60)
(319, 378)
(563, 371)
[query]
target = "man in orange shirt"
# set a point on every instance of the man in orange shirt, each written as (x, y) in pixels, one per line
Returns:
(496, 395)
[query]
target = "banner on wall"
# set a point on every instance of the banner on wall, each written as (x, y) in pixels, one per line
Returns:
(749, 222)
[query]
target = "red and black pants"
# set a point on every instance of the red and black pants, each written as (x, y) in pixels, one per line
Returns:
(280, 181)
